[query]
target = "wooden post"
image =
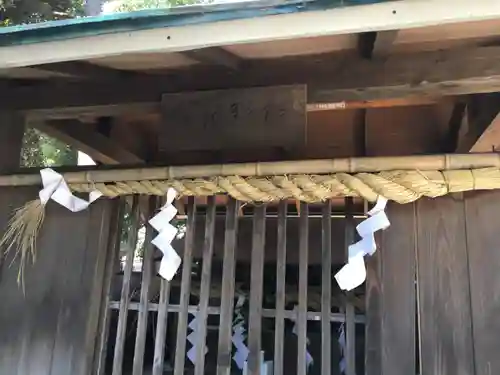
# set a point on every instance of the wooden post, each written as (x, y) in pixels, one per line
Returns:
(206, 275)
(180, 346)
(121, 330)
(111, 263)
(326, 288)
(280, 289)
(147, 274)
(303, 268)
(256, 290)
(227, 295)
(350, 326)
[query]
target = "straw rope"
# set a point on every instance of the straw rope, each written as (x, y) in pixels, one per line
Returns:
(401, 186)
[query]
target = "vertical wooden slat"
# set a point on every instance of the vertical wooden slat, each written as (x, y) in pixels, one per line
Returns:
(124, 298)
(161, 328)
(227, 298)
(443, 285)
(373, 320)
(180, 346)
(97, 254)
(396, 311)
(113, 251)
(326, 287)
(302, 311)
(256, 289)
(350, 326)
(280, 289)
(206, 275)
(147, 272)
(483, 244)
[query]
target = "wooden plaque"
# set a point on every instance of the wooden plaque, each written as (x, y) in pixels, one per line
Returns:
(234, 119)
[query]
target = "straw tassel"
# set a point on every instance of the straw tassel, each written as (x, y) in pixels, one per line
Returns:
(22, 230)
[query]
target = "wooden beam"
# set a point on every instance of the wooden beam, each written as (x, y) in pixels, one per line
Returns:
(82, 69)
(490, 139)
(269, 27)
(382, 45)
(427, 74)
(85, 139)
(483, 124)
(215, 56)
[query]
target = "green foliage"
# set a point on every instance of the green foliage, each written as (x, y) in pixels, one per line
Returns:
(134, 5)
(41, 150)
(16, 12)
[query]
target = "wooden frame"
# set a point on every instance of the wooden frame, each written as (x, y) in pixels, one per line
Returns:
(384, 16)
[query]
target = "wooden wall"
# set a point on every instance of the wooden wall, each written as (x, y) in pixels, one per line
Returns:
(50, 330)
(449, 321)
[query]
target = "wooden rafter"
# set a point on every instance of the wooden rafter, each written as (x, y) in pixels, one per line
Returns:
(215, 56)
(427, 74)
(82, 69)
(482, 122)
(84, 138)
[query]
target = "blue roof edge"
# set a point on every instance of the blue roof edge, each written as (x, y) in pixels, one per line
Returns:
(159, 18)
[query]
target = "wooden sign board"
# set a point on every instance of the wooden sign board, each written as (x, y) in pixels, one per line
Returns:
(234, 119)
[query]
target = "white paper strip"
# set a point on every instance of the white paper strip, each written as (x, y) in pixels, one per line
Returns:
(166, 234)
(55, 188)
(194, 338)
(353, 273)
(239, 336)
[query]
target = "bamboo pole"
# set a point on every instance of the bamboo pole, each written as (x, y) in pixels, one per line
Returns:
(323, 166)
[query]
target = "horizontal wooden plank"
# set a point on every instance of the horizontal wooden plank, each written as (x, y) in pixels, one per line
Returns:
(388, 15)
(241, 118)
(434, 73)
(266, 313)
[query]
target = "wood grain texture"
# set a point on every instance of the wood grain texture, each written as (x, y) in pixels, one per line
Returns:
(395, 311)
(243, 118)
(121, 329)
(187, 262)
(112, 264)
(280, 289)
(303, 273)
(350, 326)
(373, 325)
(147, 274)
(424, 73)
(227, 298)
(443, 284)
(206, 277)
(256, 291)
(326, 287)
(49, 330)
(484, 260)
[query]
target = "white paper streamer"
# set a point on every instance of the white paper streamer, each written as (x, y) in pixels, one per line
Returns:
(194, 338)
(166, 233)
(239, 335)
(55, 188)
(353, 273)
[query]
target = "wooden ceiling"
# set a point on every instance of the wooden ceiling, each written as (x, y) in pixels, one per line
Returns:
(395, 92)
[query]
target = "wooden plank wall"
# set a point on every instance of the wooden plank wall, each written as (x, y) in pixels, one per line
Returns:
(450, 247)
(51, 330)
